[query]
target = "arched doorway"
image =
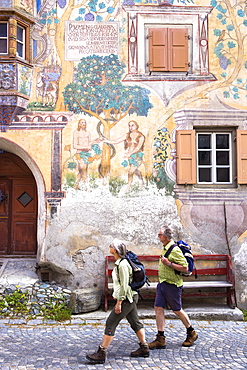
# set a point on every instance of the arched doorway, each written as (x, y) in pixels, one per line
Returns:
(18, 207)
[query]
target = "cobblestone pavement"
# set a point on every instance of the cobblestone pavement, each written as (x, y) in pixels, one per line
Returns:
(36, 346)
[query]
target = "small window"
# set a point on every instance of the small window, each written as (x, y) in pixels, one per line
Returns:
(214, 158)
(20, 47)
(209, 158)
(3, 38)
(168, 49)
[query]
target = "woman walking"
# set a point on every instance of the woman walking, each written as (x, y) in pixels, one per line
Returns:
(126, 301)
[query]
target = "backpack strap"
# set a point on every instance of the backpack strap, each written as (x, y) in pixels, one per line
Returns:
(118, 270)
(166, 255)
(123, 258)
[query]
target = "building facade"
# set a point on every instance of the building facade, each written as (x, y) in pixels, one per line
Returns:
(116, 118)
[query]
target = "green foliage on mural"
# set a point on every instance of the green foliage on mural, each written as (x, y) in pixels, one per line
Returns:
(229, 48)
(116, 184)
(97, 89)
(163, 181)
(93, 10)
(49, 17)
(37, 106)
(70, 178)
(161, 154)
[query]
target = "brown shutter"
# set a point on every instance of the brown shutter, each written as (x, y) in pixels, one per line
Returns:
(158, 49)
(186, 156)
(178, 49)
(242, 156)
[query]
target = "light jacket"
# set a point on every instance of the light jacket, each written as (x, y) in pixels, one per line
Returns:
(122, 277)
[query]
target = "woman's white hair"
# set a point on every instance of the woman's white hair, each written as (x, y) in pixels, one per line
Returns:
(120, 247)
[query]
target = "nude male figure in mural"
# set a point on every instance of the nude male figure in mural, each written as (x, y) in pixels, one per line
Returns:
(133, 144)
(82, 143)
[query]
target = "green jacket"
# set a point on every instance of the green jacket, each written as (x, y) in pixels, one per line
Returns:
(167, 273)
(122, 277)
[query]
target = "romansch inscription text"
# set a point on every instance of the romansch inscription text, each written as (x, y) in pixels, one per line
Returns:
(87, 38)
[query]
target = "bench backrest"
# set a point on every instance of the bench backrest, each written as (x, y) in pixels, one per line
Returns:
(221, 268)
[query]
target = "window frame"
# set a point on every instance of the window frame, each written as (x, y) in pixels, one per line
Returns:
(186, 156)
(5, 38)
(213, 150)
(12, 24)
(21, 42)
(144, 16)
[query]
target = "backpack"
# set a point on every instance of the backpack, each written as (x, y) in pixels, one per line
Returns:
(186, 250)
(138, 271)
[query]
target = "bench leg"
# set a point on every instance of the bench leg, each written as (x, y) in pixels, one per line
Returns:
(105, 303)
(231, 299)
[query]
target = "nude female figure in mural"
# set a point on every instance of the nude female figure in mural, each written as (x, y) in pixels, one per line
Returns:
(134, 145)
(83, 144)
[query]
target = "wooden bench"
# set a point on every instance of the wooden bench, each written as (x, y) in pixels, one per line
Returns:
(215, 278)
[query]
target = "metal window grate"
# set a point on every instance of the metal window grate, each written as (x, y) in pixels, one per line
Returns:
(24, 199)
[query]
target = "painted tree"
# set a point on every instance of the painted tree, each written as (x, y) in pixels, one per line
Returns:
(97, 91)
(54, 13)
(230, 49)
(230, 46)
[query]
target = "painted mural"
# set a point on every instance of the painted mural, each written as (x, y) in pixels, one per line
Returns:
(92, 88)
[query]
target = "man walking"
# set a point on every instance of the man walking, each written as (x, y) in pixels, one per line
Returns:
(169, 290)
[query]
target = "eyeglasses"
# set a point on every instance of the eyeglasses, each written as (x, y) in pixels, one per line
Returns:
(160, 234)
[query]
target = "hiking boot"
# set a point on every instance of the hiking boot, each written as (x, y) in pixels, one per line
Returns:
(191, 338)
(158, 343)
(97, 357)
(143, 351)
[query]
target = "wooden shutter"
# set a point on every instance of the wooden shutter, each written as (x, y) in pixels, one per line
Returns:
(158, 49)
(178, 49)
(242, 156)
(186, 156)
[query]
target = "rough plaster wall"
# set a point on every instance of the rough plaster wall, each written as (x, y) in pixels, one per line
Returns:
(241, 276)
(78, 237)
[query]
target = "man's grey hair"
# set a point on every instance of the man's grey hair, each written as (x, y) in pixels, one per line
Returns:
(166, 230)
(120, 247)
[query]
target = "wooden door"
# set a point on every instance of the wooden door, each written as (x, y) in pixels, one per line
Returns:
(23, 221)
(4, 215)
(18, 211)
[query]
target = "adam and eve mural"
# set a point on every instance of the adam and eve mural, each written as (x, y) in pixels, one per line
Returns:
(129, 115)
(97, 91)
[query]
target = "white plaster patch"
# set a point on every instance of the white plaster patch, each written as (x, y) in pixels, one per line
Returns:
(78, 237)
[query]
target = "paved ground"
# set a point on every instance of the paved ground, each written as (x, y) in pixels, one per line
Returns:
(34, 345)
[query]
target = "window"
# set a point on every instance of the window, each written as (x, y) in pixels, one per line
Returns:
(168, 43)
(3, 37)
(20, 47)
(14, 38)
(212, 158)
(168, 49)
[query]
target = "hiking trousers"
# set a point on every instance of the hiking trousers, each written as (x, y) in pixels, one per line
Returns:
(129, 310)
